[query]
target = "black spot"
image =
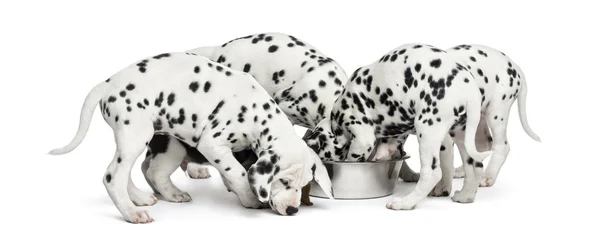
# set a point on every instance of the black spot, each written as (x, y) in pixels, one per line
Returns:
(119, 160)
(418, 67)
(247, 68)
(470, 161)
(161, 55)
(273, 48)
(263, 192)
(473, 59)
(130, 87)
(478, 164)
(197, 69)
(217, 134)
(322, 83)
(217, 161)
(442, 148)
(228, 168)
(435, 63)
(206, 86)
(126, 122)
(108, 178)
(123, 93)
(171, 99)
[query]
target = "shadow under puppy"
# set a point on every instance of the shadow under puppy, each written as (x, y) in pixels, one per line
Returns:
(190, 98)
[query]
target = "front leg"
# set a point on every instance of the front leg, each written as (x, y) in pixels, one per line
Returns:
(233, 172)
(362, 143)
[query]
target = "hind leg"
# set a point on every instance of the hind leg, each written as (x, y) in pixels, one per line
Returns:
(483, 140)
(160, 169)
(131, 140)
(430, 139)
(444, 187)
(500, 147)
(473, 170)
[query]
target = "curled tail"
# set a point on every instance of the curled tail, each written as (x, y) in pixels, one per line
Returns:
(473, 117)
(87, 110)
(521, 103)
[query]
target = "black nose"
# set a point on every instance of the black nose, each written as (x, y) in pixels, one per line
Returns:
(291, 210)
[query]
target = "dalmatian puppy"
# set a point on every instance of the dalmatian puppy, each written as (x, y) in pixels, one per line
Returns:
(190, 97)
(501, 82)
(302, 80)
(414, 88)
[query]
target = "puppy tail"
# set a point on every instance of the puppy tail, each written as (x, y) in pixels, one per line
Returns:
(473, 116)
(521, 102)
(87, 110)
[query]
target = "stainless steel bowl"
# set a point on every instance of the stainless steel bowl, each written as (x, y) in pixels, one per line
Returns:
(360, 180)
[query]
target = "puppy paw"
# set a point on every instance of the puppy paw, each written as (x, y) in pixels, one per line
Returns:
(400, 204)
(143, 199)
(440, 191)
(178, 197)
(250, 201)
(459, 172)
(196, 171)
(463, 197)
(486, 181)
(138, 217)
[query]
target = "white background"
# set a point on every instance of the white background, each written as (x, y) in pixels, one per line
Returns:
(54, 52)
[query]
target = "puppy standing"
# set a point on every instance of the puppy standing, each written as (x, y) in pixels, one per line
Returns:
(501, 82)
(417, 89)
(190, 97)
(302, 80)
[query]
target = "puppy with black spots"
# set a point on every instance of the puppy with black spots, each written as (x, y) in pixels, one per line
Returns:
(414, 88)
(302, 80)
(191, 98)
(501, 82)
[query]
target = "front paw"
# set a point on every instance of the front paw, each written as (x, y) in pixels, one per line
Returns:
(178, 197)
(143, 199)
(250, 201)
(400, 204)
(138, 217)
(440, 191)
(486, 181)
(459, 172)
(463, 197)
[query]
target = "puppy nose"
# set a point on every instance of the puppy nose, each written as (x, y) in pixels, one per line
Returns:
(291, 210)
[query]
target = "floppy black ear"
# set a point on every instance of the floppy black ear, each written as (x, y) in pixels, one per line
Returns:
(262, 173)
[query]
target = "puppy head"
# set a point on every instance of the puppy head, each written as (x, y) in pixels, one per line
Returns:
(328, 144)
(282, 187)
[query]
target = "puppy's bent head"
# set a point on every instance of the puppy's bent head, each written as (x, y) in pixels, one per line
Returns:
(282, 186)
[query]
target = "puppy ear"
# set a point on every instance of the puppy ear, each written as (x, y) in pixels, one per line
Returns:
(261, 173)
(320, 175)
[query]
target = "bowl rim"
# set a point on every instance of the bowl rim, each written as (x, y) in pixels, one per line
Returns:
(367, 162)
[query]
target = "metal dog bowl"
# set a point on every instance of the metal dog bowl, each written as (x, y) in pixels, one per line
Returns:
(360, 180)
